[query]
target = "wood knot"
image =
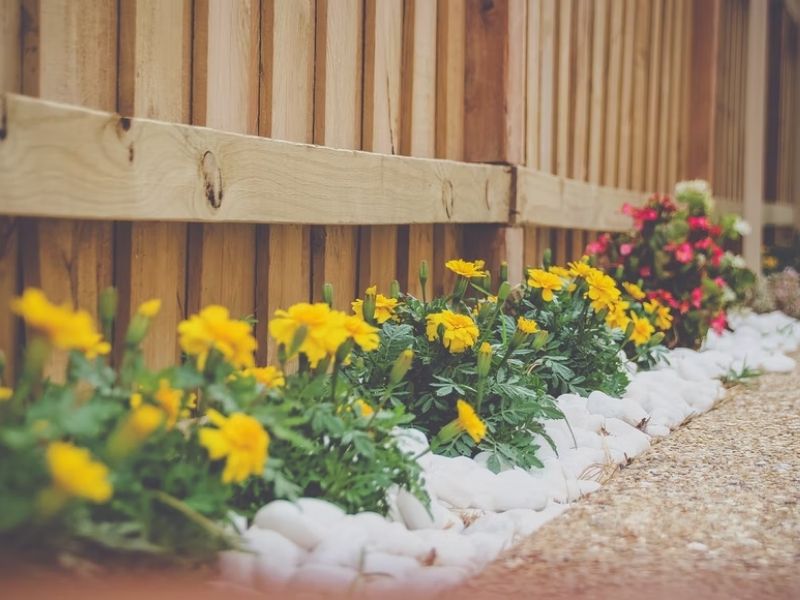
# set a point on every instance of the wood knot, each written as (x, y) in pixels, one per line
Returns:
(212, 179)
(448, 198)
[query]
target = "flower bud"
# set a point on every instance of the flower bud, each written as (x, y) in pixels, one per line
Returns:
(540, 340)
(137, 329)
(368, 307)
(107, 305)
(401, 366)
(394, 289)
(2, 365)
(486, 283)
(327, 294)
(503, 271)
(503, 292)
(297, 341)
(423, 273)
(547, 258)
(657, 338)
(36, 353)
(343, 351)
(484, 359)
(628, 331)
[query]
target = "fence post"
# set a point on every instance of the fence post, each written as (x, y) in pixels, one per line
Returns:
(755, 113)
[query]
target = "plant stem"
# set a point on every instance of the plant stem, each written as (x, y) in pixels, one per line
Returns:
(187, 511)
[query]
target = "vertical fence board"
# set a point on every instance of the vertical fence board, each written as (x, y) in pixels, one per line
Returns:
(641, 68)
(654, 96)
(154, 82)
(222, 257)
(598, 105)
(337, 123)
(70, 56)
(548, 87)
(418, 125)
(626, 108)
(286, 112)
(678, 77)
(583, 72)
(533, 90)
(662, 141)
(565, 93)
(10, 81)
(614, 82)
(381, 128)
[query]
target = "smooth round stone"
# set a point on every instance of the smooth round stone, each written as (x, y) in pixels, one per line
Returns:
(517, 489)
(287, 519)
(488, 546)
(617, 408)
(399, 541)
(343, 546)
(411, 441)
(658, 431)
(276, 559)
(778, 363)
(320, 511)
(588, 486)
(450, 549)
(413, 512)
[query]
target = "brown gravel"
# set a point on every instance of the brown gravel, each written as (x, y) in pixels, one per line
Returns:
(709, 512)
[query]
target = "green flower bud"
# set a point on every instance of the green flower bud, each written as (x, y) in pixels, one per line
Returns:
(484, 359)
(547, 258)
(137, 330)
(327, 294)
(540, 340)
(503, 271)
(368, 307)
(486, 283)
(297, 341)
(657, 338)
(401, 366)
(503, 292)
(394, 289)
(107, 305)
(423, 273)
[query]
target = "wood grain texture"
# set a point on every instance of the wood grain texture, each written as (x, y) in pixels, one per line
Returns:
(81, 159)
(565, 90)
(383, 48)
(222, 257)
(546, 199)
(287, 113)
(612, 140)
(600, 88)
(337, 123)
(10, 81)
(418, 124)
(582, 85)
(154, 82)
(70, 55)
(754, 131)
(549, 87)
(654, 99)
(626, 133)
(534, 88)
(641, 68)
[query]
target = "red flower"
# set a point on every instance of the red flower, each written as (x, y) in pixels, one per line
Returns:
(639, 215)
(697, 297)
(719, 322)
(715, 231)
(716, 255)
(684, 253)
(599, 246)
(698, 223)
(645, 271)
(684, 307)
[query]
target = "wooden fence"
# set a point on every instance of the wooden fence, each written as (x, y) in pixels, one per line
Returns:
(492, 128)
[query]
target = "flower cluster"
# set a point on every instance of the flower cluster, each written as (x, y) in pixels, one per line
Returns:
(677, 249)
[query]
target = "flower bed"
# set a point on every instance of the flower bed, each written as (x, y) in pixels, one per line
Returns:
(407, 443)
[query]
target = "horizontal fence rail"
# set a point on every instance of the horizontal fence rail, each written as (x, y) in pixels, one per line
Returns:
(65, 161)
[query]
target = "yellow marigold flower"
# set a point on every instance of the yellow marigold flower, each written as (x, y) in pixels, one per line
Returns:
(213, 328)
(170, 400)
(269, 376)
(642, 330)
(560, 271)
(143, 422)
(664, 318)
(651, 306)
(528, 326)
(362, 333)
(66, 329)
(460, 331)
(769, 262)
(150, 308)
(617, 316)
(603, 291)
(384, 307)
(470, 422)
(324, 327)
(633, 290)
(365, 409)
(75, 473)
(466, 268)
(5, 393)
(580, 268)
(547, 282)
(241, 440)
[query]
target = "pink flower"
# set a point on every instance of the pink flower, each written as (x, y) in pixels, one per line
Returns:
(703, 244)
(625, 249)
(715, 231)
(627, 209)
(599, 246)
(720, 281)
(698, 223)
(684, 253)
(645, 271)
(697, 297)
(716, 255)
(719, 322)
(684, 307)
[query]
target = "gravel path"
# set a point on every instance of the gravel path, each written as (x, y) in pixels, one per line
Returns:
(712, 511)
